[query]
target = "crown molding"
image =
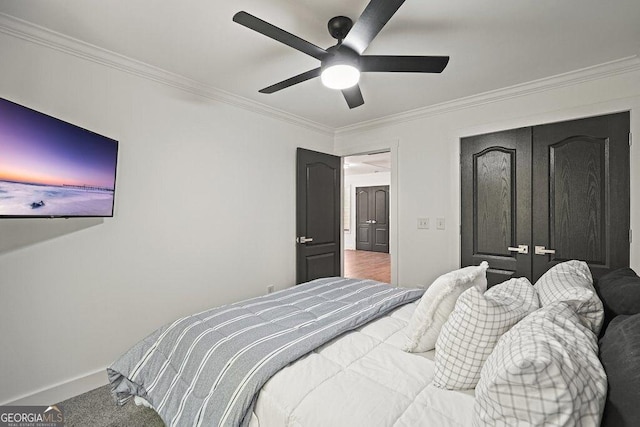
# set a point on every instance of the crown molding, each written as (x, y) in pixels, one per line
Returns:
(33, 33)
(612, 68)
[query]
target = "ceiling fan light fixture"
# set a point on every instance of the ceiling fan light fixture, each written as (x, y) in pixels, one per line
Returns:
(341, 64)
(340, 76)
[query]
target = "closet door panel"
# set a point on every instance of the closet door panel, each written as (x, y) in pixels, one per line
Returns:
(577, 205)
(581, 193)
(494, 205)
(363, 214)
(495, 202)
(381, 225)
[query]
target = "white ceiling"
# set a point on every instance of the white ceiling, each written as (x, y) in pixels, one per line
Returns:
(367, 163)
(492, 44)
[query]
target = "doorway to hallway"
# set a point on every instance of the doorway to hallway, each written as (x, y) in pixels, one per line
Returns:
(366, 240)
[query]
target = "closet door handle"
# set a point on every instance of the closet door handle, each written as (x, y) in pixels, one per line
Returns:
(541, 250)
(521, 249)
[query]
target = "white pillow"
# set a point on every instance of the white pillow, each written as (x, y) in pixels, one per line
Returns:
(572, 281)
(437, 303)
(474, 327)
(544, 371)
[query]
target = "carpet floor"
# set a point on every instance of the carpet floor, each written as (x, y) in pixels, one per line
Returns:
(96, 408)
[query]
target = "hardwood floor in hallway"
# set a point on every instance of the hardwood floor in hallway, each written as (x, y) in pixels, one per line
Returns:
(367, 265)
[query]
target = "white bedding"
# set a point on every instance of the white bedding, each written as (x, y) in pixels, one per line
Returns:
(362, 378)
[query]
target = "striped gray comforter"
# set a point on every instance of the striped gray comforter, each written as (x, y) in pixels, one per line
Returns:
(207, 369)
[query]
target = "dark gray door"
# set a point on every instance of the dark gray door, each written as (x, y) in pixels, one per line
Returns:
(317, 215)
(372, 218)
(496, 202)
(534, 197)
(581, 193)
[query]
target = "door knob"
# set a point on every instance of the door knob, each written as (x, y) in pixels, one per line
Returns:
(373, 221)
(304, 239)
(540, 250)
(521, 249)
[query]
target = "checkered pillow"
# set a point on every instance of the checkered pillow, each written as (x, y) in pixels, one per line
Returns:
(544, 371)
(571, 281)
(437, 304)
(474, 327)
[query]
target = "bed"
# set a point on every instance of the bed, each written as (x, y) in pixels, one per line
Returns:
(362, 378)
(375, 364)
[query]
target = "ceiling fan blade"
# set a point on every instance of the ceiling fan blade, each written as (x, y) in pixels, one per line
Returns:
(269, 30)
(292, 81)
(375, 16)
(353, 96)
(404, 64)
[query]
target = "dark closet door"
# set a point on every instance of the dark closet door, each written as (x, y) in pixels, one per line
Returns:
(317, 215)
(372, 218)
(581, 193)
(495, 201)
(534, 197)
(364, 238)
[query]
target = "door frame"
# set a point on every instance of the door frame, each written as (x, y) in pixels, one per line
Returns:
(391, 145)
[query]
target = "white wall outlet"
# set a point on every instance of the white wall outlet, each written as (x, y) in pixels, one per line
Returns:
(271, 289)
(440, 223)
(423, 223)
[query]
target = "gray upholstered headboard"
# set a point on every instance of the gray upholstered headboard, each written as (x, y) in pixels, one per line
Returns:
(620, 346)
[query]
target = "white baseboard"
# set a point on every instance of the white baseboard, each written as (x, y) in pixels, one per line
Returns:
(61, 391)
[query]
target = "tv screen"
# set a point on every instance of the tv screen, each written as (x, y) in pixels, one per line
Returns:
(51, 168)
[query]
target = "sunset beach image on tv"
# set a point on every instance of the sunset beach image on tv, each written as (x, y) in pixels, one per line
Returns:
(51, 168)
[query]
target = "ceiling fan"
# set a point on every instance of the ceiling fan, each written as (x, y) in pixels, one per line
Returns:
(341, 65)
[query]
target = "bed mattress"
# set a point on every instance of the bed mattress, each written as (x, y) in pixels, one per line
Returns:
(362, 378)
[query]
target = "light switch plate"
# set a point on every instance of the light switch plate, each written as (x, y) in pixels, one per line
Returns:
(440, 223)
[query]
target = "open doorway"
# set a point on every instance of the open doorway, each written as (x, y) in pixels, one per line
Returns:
(367, 180)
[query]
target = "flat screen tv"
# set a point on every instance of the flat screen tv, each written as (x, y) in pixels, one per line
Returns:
(50, 168)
